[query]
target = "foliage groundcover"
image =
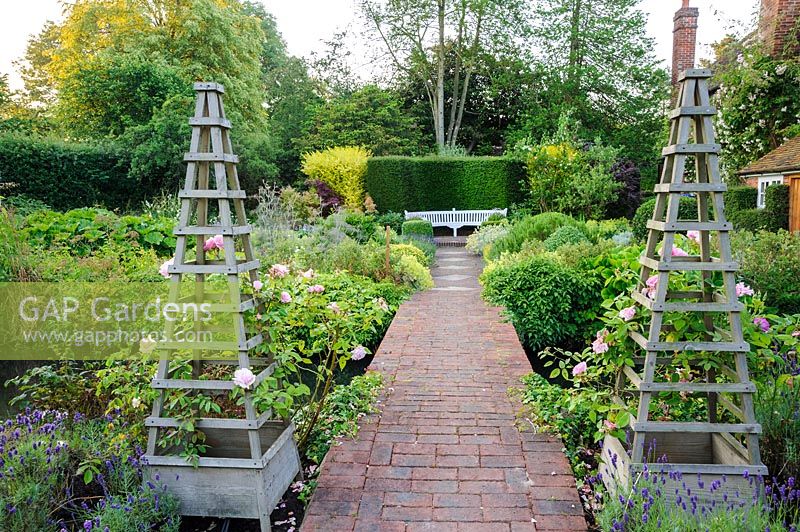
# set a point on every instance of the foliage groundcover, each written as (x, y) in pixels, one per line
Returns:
(443, 183)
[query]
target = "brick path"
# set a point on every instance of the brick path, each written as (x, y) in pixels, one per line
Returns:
(444, 453)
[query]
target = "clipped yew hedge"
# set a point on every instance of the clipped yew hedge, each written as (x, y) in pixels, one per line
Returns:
(442, 183)
(68, 175)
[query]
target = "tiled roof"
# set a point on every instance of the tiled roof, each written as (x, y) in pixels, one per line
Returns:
(784, 159)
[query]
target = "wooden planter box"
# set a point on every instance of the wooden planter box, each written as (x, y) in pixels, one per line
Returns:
(701, 459)
(227, 483)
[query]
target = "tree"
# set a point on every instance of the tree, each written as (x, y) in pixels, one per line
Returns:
(416, 35)
(497, 99)
(758, 102)
(600, 64)
(371, 117)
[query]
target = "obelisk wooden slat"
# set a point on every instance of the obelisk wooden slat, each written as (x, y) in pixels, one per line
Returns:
(706, 448)
(251, 461)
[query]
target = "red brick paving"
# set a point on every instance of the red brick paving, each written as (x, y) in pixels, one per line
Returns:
(444, 453)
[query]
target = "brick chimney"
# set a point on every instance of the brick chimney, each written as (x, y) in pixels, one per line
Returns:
(778, 27)
(684, 39)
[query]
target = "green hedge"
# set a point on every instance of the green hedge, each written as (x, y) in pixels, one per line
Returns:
(418, 227)
(740, 199)
(773, 217)
(686, 211)
(67, 175)
(443, 183)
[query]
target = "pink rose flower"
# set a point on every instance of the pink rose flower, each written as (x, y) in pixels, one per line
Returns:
(627, 313)
(334, 306)
(279, 270)
(358, 353)
(286, 297)
(693, 235)
(743, 290)
(599, 346)
(316, 289)
(214, 242)
(243, 378)
(257, 285)
(676, 252)
(762, 323)
(164, 269)
(308, 274)
(609, 425)
(651, 284)
(579, 369)
(796, 333)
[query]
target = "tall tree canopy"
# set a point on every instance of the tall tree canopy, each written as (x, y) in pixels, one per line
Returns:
(370, 117)
(417, 34)
(601, 65)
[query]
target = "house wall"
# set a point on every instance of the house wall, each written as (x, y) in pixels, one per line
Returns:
(793, 180)
(778, 26)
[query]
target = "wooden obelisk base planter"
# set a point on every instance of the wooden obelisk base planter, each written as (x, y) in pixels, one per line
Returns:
(712, 466)
(227, 482)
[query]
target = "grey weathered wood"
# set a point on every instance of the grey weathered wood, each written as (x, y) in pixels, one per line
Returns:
(702, 110)
(688, 226)
(696, 426)
(691, 149)
(702, 448)
(683, 188)
(251, 461)
(210, 230)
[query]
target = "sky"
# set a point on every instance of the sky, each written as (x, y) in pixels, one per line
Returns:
(305, 24)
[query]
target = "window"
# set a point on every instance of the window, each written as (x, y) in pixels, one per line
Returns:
(763, 183)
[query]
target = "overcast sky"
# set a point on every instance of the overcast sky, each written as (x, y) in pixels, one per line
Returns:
(305, 23)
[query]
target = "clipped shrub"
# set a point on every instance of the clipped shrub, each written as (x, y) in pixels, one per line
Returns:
(68, 175)
(549, 303)
(418, 227)
(537, 227)
(776, 203)
(686, 211)
(441, 183)
(751, 220)
(342, 169)
(563, 236)
(399, 250)
(485, 236)
(740, 199)
(768, 263)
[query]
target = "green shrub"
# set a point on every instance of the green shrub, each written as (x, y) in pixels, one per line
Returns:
(342, 169)
(15, 261)
(485, 236)
(563, 236)
(549, 303)
(740, 199)
(427, 246)
(392, 219)
(417, 227)
(495, 219)
(85, 230)
(776, 203)
(398, 250)
(443, 183)
(686, 211)
(537, 227)
(769, 264)
(566, 178)
(69, 175)
(751, 220)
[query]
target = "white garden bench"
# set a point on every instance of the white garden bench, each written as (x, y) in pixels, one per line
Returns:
(455, 219)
